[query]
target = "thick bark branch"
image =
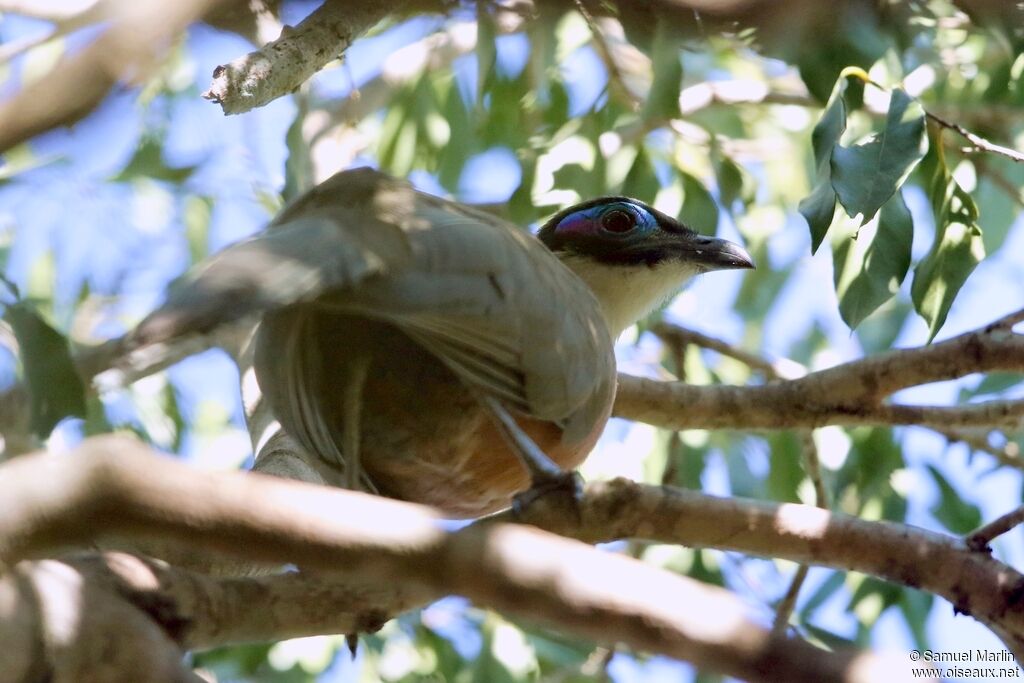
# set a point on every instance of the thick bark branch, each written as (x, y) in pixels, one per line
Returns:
(975, 582)
(848, 394)
(278, 68)
(112, 488)
(675, 405)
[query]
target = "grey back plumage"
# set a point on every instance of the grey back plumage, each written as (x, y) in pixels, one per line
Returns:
(486, 298)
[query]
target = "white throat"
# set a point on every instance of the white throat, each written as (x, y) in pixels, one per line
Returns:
(627, 293)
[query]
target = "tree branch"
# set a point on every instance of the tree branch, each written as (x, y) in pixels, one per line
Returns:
(111, 487)
(978, 141)
(278, 68)
(848, 394)
(977, 440)
(981, 537)
(123, 53)
(675, 336)
(975, 583)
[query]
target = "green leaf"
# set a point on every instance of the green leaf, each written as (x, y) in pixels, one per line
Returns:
(870, 587)
(760, 288)
(866, 175)
(689, 463)
(298, 167)
(55, 389)
(829, 638)
(916, 606)
(452, 158)
(958, 247)
(733, 182)
(699, 210)
(641, 181)
(486, 53)
(957, 250)
(870, 266)
(742, 480)
(663, 97)
(786, 471)
(830, 127)
(819, 207)
(1001, 207)
(867, 473)
(992, 383)
(196, 216)
(879, 331)
(952, 511)
(21, 159)
(818, 598)
(148, 162)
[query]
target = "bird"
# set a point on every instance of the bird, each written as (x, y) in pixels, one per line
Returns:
(434, 353)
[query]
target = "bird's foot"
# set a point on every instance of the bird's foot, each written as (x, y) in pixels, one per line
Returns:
(562, 491)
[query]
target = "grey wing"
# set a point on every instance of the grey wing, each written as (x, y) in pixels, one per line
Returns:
(329, 239)
(489, 300)
(275, 269)
(502, 311)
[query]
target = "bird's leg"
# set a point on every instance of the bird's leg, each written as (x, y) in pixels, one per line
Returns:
(352, 413)
(545, 475)
(359, 367)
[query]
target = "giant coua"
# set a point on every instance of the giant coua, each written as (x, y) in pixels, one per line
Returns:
(444, 355)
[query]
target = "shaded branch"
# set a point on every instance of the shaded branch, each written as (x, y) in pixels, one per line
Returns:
(778, 369)
(1008, 455)
(673, 405)
(66, 17)
(123, 53)
(633, 99)
(848, 394)
(112, 488)
(975, 583)
(676, 335)
(976, 140)
(980, 538)
(784, 610)
(279, 67)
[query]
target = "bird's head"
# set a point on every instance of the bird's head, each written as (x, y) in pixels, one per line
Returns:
(632, 256)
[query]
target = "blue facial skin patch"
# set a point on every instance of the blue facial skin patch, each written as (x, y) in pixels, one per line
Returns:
(615, 217)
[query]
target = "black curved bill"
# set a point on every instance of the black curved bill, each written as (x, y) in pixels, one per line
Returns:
(712, 253)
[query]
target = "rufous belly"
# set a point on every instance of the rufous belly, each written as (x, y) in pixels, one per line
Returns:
(424, 436)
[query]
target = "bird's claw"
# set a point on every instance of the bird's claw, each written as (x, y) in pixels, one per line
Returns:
(563, 490)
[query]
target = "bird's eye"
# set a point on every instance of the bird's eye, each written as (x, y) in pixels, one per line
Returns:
(618, 221)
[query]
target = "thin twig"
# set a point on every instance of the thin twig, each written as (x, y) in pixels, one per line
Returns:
(1008, 455)
(976, 140)
(678, 337)
(1007, 322)
(980, 538)
(785, 608)
(781, 369)
(596, 666)
(812, 465)
(605, 52)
